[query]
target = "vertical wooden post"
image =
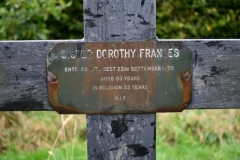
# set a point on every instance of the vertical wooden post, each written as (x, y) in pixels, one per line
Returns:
(124, 136)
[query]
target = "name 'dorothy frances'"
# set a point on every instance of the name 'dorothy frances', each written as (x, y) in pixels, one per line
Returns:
(121, 53)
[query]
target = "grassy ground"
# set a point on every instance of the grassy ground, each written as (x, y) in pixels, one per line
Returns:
(68, 152)
(202, 134)
(199, 135)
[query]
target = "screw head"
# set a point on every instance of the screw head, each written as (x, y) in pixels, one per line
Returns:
(53, 79)
(186, 76)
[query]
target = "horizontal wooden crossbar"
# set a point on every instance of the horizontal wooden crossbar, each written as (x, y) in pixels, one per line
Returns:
(23, 82)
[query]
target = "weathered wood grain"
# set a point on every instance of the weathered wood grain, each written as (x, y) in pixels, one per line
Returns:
(216, 70)
(216, 74)
(23, 75)
(125, 136)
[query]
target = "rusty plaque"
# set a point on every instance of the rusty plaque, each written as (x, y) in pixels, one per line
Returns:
(119, 77)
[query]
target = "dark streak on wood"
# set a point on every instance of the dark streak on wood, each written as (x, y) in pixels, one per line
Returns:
(90, 23)
(115, 35)
(144, 22)
(130, 15)
(142, 3)
(119, 127)
(138, 150)
(17, 105)
(89, 13)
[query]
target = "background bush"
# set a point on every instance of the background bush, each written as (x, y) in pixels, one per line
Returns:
(40, 19)
(61, 19)
(198, 19)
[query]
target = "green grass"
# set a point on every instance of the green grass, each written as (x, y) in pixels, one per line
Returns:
(78, 153)
(190, 135)
(198, 135)
(187, 148)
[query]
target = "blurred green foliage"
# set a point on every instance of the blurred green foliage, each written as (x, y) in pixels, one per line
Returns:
(198, 19)
(63, 19)
(40, 19)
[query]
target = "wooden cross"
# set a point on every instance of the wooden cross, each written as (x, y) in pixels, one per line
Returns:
(23, 81)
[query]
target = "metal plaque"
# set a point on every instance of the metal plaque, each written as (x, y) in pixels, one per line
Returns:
(119, 77)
